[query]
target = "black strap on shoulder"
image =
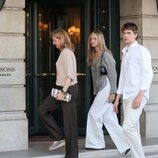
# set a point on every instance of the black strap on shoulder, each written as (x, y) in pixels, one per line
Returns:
(101, 59)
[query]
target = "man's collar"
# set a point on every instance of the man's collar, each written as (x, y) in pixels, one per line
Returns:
(127, 48)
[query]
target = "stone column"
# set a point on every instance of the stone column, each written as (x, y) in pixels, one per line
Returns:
(13, 121)
(145, 14)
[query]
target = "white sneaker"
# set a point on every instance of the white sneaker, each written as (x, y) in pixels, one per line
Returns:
(57, 144)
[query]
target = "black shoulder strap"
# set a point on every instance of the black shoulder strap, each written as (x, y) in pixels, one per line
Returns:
(101, 58)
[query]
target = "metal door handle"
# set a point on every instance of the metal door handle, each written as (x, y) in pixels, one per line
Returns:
(81, 74)
(45, 74)
(53, 74)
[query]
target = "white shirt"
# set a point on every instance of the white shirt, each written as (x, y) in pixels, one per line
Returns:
(136, 71)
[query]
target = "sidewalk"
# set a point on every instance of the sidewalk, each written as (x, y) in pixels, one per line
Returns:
(39, 149)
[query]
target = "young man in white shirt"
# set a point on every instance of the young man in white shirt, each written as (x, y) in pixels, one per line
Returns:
(134, 83)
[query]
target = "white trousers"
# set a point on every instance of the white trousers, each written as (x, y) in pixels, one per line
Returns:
(131, 126)
(101, 112)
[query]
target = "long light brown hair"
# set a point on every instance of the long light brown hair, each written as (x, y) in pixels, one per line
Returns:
(101, 45)
(65, 39)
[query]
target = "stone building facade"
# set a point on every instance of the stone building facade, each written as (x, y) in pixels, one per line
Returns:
(13, 120)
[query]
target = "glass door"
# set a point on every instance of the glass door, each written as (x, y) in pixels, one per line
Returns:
(42, 56)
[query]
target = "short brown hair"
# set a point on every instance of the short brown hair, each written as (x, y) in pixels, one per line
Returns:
(130, 26)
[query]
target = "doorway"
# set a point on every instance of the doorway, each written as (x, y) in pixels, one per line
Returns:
(41, 18)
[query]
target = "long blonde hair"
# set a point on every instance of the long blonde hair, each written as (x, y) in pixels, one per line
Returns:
(65, 39)
(101, 45)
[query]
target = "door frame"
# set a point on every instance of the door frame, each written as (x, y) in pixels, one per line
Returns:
(33, 46)
(112, 35)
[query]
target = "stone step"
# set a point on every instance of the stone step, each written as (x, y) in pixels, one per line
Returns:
(150, 152)
(113, 153)
(38, 148)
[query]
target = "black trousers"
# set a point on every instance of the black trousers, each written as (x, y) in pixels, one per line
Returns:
(48, 106)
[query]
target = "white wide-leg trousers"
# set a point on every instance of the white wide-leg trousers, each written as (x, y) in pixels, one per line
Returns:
(101, 112)
(131, 126)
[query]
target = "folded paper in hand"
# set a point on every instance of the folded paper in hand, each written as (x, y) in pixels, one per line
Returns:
(66, 97)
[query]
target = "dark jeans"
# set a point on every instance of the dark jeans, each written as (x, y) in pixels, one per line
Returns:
(48, 106)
